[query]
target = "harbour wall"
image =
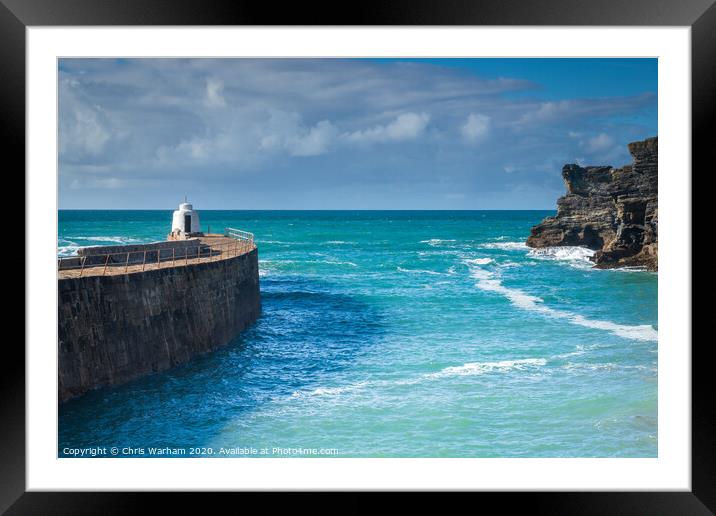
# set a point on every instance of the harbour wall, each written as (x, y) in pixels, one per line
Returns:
(115, 328)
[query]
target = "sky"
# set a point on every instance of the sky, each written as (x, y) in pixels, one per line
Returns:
(315, 134)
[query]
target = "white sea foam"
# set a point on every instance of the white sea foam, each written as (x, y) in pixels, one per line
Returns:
(505, 246)
(442, 252)
(332, 262)
(68, 246)
(420, 271)
(339, 242)
(573, 255)
(608, 366)
(282, 242)
(436, 241)
(329, 391)
(114, 239)
(579, 350)
(469, 369)
(487, 281)
(477, 368)
(68, 250)
(479, 261)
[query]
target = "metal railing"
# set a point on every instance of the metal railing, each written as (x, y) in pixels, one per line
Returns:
(239, 234)
(142, 260)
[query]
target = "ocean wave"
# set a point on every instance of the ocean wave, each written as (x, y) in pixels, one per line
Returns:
(478, 368)
(486, 281)
(68, 250)
(579, 350)
(576, 255)
(469, 369)
(608, 366)
(442, 252)
(479, 261)
(436, 241)
(113, 239)
(505, 246)
(632, 268)
(420, 271)
(328, 391)
(340, 242)
(332, 262)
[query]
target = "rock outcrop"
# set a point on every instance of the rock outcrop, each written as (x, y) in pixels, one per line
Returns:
(611, 210)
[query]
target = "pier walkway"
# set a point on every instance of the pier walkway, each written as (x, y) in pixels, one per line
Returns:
(134, 259)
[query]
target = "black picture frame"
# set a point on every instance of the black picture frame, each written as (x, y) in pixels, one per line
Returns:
(17, 15)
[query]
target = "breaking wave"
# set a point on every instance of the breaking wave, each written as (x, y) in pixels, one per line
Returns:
(574, 255)
(505, 246)
(486, 281)
(420, 271)
(479, 261)
(113, 239)
(477, 368)
(436, 241)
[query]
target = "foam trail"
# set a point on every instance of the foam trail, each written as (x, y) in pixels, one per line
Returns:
(487, 282)
(575, 256)
(505, 246)
(477, 368)
(469, 369)
(113, 239)
(436, 241)
(420, 271)
(480, 261)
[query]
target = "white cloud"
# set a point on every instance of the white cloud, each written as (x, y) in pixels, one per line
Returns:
(83, 128)
(598, 143)
(316, 141)
(285, 131)
(476, 127)
(214, 88)
(406, 126)
(574, 109)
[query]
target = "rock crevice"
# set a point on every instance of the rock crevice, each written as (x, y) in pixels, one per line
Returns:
(611, 210)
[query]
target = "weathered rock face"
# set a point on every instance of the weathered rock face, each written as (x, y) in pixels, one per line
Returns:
(611, 210)
(113, 329)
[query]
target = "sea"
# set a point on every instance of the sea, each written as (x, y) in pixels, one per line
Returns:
(394, 334)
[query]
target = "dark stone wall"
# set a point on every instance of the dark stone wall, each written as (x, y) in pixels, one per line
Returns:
(113, 329)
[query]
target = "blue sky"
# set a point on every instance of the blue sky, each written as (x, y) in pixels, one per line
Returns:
(343, 133)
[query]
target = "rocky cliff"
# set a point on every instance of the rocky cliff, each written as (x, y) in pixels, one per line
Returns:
(611, 210)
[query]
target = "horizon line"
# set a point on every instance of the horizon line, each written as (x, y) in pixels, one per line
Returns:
(308, 209)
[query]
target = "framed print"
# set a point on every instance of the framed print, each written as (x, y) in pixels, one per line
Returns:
(416, 250)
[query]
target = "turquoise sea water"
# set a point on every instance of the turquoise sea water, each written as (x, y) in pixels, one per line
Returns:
(397, 334)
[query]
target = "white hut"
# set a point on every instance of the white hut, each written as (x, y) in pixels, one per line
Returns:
(185, 222)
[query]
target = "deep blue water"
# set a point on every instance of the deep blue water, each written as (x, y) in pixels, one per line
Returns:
(397, 334)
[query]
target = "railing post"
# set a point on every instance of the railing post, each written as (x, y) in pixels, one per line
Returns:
(173, 256)
(144, 260)
(82, 268)
(104, 271)
(126, 265)
(159, 259)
